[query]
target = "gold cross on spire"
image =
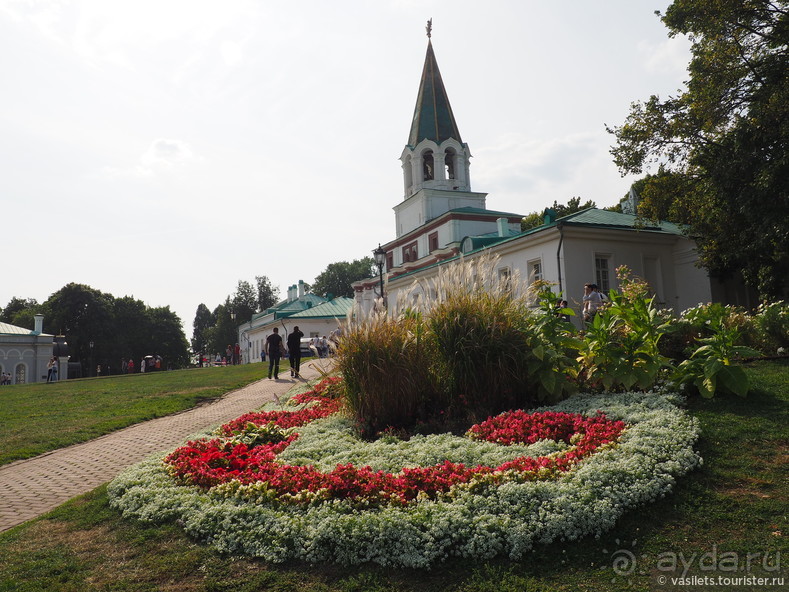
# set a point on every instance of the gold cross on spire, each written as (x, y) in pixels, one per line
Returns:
(429, 27)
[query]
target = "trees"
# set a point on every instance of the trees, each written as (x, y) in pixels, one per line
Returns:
(536, 219)
(337, 278)
(204, 320)
(244, 303)
(19, 312)
(267, 293)
(723, 141)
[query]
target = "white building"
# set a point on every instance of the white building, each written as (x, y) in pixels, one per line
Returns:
(25, 354)
(441, 220)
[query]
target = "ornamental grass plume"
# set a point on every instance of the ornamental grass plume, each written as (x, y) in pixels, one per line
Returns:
(386, 366)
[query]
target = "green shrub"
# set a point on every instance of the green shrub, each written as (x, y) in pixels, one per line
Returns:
(495, 351)
(710, 368)
(771, 324)
(620, 349)
(385, 363)
(476, 348)
(704, 318)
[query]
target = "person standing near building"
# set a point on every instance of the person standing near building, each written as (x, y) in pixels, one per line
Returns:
(294, 351)
(274, 349)
(592, 301)
(236, 354)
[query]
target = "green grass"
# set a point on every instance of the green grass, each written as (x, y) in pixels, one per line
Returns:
(39, 417)
(735, 503)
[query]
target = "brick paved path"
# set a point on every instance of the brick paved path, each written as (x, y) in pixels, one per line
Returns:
(29, 488)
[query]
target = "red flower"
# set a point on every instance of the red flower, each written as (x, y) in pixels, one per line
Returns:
(206, 463)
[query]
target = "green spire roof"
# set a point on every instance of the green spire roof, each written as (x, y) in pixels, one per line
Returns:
(433, 118)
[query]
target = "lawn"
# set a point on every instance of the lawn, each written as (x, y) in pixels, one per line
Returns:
(731, 509)
(39, 417)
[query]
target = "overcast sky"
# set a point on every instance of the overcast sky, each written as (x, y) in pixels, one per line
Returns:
(166, 149)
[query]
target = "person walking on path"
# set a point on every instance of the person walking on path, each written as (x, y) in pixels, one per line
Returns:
(294, 351)
(274, 349)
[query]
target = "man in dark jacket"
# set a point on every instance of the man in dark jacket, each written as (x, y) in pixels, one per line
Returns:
(294, 351)
(274, 352)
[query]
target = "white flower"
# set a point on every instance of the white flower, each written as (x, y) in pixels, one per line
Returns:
(470, 522)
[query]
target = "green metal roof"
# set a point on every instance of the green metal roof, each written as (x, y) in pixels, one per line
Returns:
(286, 308)
(337, 308)
(433, 118)
(9, 329)
(606, 219)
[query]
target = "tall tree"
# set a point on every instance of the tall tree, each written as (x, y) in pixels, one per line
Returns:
(245, 302)
(204, 320)
(84, 315)
(267, 293)
(724, 139)
(224, 332)
(167, 338)
(337, 278)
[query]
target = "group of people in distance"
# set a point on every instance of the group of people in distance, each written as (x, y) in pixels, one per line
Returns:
(276, 348)
(593, 299)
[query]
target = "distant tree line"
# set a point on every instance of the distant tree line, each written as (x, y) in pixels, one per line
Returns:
(214, 330)
(118, 327)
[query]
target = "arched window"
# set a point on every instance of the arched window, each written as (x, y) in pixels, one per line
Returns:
(20, 374)
(449, 163)
(427, 166)
(409, 175)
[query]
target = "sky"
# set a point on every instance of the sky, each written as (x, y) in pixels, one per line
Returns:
(166, 149)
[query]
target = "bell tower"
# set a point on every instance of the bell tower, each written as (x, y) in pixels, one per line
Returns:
(435, 160)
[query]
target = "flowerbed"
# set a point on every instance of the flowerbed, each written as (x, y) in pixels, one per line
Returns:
(518, 479)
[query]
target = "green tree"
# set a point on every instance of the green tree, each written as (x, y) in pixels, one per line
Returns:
(132, 335)
(19, 312)
(84, 315)
(337, 278)
(573, 205)
(117, 327)
(204, 320)
(167, 337)
(244, 303)
(224, 331)
(724, 139)
(267, 294)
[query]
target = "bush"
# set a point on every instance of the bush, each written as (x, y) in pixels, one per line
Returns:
(620, 349)
(771, 324)
(386, 366)
(476, 348)
(711, 367)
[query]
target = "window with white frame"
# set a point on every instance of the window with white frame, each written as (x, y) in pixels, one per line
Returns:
(602, 273)
(505, 278)
(535, 270)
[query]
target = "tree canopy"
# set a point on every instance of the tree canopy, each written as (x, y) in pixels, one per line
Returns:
(118, 327)
(337, 278)
(573, 205)
(267, 293)
(722, 142)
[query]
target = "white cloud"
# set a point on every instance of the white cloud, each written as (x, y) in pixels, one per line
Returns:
(163, 155)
